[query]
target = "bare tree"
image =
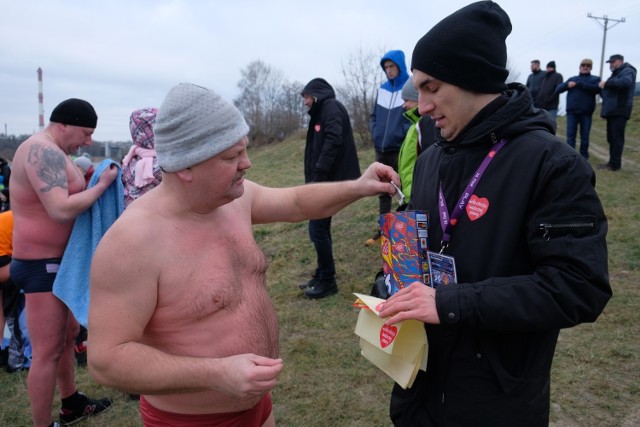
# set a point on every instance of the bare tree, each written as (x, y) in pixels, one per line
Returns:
(290, 112)
(269, 103)
(362, 76)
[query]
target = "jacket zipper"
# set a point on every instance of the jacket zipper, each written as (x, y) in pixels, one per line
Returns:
(547, 229)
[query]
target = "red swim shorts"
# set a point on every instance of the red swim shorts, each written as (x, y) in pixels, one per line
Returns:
(254, 417)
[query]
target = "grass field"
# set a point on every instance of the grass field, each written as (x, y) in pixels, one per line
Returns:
(596, 371)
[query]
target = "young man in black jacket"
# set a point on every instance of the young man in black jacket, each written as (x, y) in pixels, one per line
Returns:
(330, 155)
(514, 217)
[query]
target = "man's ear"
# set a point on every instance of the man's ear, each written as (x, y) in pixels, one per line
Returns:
(185, 175)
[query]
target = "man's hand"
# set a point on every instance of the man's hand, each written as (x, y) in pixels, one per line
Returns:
(416, 301)
(377, 179)
(108, 176)
(248, 375)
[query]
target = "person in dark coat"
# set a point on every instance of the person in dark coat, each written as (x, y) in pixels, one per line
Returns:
(617, 100)
(581, 103)
(534, 80)
(547, 98)
(514, 221)
(329, 155)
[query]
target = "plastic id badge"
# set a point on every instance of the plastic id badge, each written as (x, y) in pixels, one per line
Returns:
(442, 269)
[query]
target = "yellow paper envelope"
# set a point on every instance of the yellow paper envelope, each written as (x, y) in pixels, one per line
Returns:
(399, 350)
(372, 328)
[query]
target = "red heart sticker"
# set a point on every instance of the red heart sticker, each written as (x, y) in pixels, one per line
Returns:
(477, 207)
(387, 335)
(453, 221)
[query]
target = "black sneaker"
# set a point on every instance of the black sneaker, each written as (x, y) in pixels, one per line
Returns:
(322, 288)
(308, 284)
(91, 407)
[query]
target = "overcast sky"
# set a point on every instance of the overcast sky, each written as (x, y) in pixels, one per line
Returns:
(123, 55)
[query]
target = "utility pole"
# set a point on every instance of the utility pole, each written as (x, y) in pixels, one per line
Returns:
(605, 26)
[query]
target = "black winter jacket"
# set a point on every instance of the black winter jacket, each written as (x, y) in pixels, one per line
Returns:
(547, 97)
(618, 92)
(534, 262)
(330, 152)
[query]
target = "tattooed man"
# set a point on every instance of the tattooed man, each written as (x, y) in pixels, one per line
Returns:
(47, 194)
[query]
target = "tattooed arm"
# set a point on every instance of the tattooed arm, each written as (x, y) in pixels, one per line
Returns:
(59, 185)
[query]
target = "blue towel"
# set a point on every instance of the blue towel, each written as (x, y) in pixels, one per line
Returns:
(72, 282)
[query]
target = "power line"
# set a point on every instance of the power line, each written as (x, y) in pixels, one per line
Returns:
(606, 27)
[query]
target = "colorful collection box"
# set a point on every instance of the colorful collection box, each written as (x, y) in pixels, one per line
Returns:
(405, 242)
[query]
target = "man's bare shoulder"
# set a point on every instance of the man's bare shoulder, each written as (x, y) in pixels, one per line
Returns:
(40, 155)
(140, 219)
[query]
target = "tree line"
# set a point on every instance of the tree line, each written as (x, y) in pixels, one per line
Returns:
(273, 107)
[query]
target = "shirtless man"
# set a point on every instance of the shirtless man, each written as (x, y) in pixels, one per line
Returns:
(46, 197)
(179, 307)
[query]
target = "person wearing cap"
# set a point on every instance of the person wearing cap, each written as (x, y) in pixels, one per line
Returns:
(85, 166)
(617, 101)
(547, 98)
(185, 319)
(48, 193)
(329, 155)
(415, 141)
(581, 103)
(534, 80)
(387, 123)
(515, 223)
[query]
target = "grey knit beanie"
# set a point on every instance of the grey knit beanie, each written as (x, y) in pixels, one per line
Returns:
(409, 91)
(193, 125)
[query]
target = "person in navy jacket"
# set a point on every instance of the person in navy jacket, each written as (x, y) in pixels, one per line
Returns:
(581, 102)
(617, 101)
(387, 122)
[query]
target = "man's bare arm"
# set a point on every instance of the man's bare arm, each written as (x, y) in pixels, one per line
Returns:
(319, 200)
(47, 173)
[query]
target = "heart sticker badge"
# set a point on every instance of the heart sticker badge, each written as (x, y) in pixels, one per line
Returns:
(477, 207)
(387, 335)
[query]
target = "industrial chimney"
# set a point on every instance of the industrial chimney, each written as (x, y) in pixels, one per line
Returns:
(40, 99)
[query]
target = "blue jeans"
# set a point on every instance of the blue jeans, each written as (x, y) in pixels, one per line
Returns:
(615, 137)
(320, 235)
(584, 121)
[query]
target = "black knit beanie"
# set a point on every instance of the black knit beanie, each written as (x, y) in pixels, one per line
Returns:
(467, 48)
(75, 112)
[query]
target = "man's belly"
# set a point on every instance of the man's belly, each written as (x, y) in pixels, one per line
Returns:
(251, 327)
